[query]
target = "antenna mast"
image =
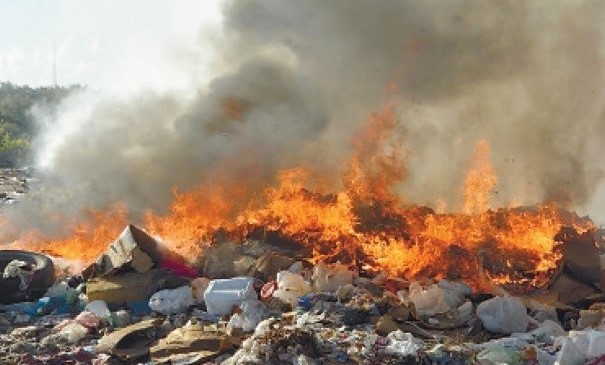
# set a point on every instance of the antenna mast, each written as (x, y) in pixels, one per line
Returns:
(55, 63)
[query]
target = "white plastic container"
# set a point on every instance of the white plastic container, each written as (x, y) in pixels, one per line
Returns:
(222, 294)
(596, 344)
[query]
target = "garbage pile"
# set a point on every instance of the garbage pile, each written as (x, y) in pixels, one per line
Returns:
(254, 304)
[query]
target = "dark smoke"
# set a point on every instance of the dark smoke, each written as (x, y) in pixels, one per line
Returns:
(297, 77)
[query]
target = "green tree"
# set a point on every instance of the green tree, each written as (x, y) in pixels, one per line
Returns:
(17, 124)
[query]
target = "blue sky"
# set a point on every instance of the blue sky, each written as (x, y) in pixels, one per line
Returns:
(107, 44)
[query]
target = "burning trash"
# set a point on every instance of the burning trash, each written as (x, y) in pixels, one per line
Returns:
(126, 308)
(314, 278)
(361, 183)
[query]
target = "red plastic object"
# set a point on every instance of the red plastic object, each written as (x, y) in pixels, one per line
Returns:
(179, 268)
(267, 290)
(391, 286)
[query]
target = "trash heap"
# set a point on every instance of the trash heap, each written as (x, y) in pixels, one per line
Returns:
(254, 304)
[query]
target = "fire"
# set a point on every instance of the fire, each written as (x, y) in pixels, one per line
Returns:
(480, 180)
(365, 224)
(87, 239)
(194, 218)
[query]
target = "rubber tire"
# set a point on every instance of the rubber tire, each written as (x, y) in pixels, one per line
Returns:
(44, 277)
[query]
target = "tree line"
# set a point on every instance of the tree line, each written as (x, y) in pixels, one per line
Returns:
(17, 122)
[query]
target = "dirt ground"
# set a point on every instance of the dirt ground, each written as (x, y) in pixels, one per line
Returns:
(14, 184)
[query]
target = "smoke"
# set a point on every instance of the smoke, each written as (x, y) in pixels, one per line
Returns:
(294, 80)
(526, 77)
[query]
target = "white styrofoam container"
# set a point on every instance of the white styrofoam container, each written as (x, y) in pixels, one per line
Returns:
(222, 294)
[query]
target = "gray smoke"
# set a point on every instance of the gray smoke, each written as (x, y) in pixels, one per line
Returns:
(296, 78)
(525, 76)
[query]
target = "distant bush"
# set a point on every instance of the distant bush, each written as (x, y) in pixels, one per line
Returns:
(8, 141)
(17, 124)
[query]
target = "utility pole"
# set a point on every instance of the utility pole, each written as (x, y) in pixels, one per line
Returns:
(55, 63)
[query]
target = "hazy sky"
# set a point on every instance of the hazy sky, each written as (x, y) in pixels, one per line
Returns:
(107, 44)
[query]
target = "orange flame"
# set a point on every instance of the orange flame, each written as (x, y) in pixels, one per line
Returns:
(364, 224)
(480, 180)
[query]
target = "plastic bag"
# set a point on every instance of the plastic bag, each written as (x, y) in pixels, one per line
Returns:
(296, 267)
(48, 305)
(570, 354)
(290, 287)
(499, 355)
(86, 319)
(596, 344)
(330, 278)
(252, 312)
(99, 308)
(437, 298)
(403, 343)
(465, 311)
(542, 312)
(118, 319)
(14, 269)
(59, 288)
(503, 315)
(172, 301)
(74, 332)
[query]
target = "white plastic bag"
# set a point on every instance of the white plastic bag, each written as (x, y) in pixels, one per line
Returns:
(330, 278)
(542, 312)
(403, 343)
(252, 313)
(437, 298)
(465, 311)
(499, 355)
(14, 270)
(290, 287)
(596, 344)
(172, 301)
(74, 333)
(98, 308)
(570, 354)
(503, 315)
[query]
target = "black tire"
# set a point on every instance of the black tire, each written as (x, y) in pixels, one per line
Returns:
(44, 277)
